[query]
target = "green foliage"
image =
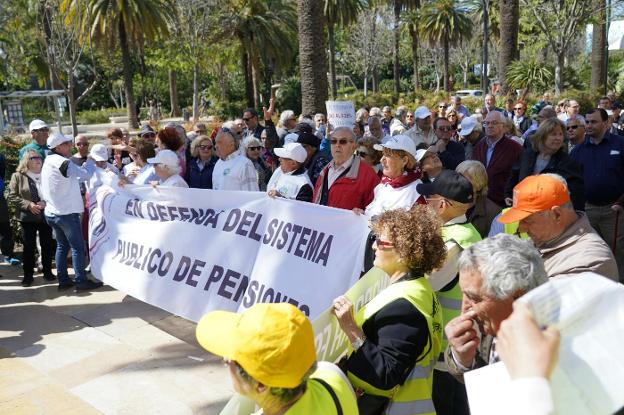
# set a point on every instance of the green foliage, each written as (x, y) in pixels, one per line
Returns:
(99, 116)
(529, 74)
(289, 96)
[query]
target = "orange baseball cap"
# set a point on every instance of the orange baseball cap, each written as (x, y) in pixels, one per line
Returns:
(535, 194)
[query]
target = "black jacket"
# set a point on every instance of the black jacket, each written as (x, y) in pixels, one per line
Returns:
(560, 163)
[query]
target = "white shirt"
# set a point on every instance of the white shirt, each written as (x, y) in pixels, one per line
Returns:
(236, 172)
(333, 173)
(287, 184)
(388, 198)
(174, 181)
(418, 136)
(61, 191)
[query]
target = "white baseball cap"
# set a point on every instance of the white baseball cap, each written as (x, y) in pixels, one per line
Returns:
(422, 112)
(56, 139)
(99, 152)
(467, 125)
(166, 157)
(420, 154)
(398, 142)
(37, 125)
(293, 151)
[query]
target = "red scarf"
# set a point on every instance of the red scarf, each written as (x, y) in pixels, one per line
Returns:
(402, 180)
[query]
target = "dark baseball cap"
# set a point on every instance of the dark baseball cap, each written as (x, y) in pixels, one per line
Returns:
(309, 139)
(146, 130)
(450, 185)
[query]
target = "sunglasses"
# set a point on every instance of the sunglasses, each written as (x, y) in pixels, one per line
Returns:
(246, 119)
(383, 245)
(82, 144)
(256, 148)
(362, 153)
(148, 135)
(518, 109)
(572, 127)
(445, 128)
(342, 141)
(205, 147)
(41, 129)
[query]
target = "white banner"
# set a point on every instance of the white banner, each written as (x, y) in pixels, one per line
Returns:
(340, 113)
(191, 251)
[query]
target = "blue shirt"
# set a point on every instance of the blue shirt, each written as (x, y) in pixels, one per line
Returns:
(603, 168)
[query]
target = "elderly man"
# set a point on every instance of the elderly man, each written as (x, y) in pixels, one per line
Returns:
(252, 126)
(471, 131)
(575, 128)
(398, 124)
(374, 127)
(386, 119)
(490, 104)
(39, 131)
(81, 142)
(492, 274)
(423, 135)
(290, 180)
(451, 153)
(567, 242)
(269, 350)
(498, 154)
(346, 182)
(148, 134)
(456, 104)
(233, 171)
(450, 196)
(602, 158)
(543, 114)
(60, 190)
(571, 110)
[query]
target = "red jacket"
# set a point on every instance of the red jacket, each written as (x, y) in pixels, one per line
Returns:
(506, 153)
(353, 190)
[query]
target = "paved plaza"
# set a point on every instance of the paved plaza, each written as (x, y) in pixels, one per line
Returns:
(99, 352)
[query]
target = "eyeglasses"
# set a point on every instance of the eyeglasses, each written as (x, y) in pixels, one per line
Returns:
(82, 144)
(572, 127)
(519, 108)
(449, 128)
(362, 153)
(247, 119)
(342, 141)
(383, 245)
(492, 123)
(256, 148)
(36, 158)
(205, 147)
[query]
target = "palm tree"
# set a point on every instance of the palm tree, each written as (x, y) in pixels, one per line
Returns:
(342, 12)
(412, 18)
(312, 60)
(446, 24)
(398, 6)
(599, 41)
(127, 23)
(508, 50)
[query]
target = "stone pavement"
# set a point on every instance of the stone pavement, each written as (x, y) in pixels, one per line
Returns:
(100, 352)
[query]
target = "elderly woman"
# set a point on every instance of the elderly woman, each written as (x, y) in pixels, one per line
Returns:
(253, 150)
(430, 165)
(140, 171)
(548, 154)
(169, 139)
(290, 179)
(484, 210)
(372, 157)
(167, 167)
(453, 117)
(397, 189)
(201, 164)
(24, 195)
(396, 337)
(287, 122)
(520, 119)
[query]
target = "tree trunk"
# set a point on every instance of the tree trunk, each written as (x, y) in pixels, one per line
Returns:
(71, 104)
(559, 71)
(447, 87)
(196, 92)
(466, 65)
(486, 38)
(365, 83)
(508, 51)
(133, 122)
(332, 59)
(375, 80)
(173, 94)
(255, 78)
(395, 47)
(247, 75)
(312, 56)
(222, 82)
(599, 42)
(415, 44)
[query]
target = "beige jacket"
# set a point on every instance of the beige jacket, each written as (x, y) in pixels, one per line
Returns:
(579, 249)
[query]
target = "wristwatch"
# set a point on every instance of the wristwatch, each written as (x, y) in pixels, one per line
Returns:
(357, 343)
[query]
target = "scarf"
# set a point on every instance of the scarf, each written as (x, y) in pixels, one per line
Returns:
(402, 180)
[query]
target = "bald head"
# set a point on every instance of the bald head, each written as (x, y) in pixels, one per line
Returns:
(545, 113)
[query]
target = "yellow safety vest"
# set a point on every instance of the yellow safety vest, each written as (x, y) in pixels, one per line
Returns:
(512, 228)
(414, 395)
(463, 235)
(318, 400)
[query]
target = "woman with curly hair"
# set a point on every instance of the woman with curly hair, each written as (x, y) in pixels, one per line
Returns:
(396, 337)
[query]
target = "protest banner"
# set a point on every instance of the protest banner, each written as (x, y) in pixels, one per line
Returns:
(340, 113)
(191, 251)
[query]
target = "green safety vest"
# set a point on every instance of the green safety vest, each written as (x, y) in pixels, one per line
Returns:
(512, 228)
(463, 235)
(414, 395)
(317, 399)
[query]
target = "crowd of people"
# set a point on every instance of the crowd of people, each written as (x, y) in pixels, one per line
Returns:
(522, 197)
